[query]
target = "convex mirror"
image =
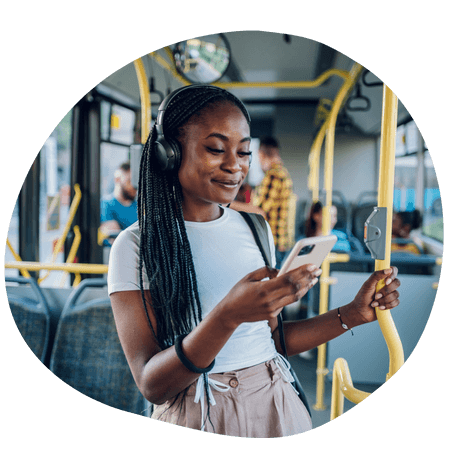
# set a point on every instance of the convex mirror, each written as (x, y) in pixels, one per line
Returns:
(202, 60)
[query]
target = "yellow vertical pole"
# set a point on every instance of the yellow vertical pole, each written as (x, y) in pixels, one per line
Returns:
(385, 199)
(322, 371)
(144, 91)
(314, 162)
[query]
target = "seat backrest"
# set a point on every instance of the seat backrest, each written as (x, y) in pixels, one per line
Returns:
(32, 317)
(88, 356)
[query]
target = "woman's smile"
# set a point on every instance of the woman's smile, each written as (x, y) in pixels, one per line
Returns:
(228, 184)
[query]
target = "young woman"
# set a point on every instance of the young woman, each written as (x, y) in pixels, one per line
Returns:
(189, 287)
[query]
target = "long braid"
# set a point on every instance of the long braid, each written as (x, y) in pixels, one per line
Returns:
(165, 253)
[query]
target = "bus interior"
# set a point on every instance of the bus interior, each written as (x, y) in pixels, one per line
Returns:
(56, 257)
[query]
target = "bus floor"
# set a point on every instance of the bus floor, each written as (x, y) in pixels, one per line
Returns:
(306, 372)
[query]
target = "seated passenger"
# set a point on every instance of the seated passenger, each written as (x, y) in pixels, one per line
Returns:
(403, 223)
(119, 210)
(314, 227)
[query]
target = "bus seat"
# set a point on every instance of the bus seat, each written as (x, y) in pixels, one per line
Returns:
(88, 356)
(32, 317)
(413, 264)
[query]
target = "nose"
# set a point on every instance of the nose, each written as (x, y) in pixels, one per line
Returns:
(231, 163)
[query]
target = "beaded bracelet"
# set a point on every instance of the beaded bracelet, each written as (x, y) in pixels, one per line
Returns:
(185, 361)
(343, 325)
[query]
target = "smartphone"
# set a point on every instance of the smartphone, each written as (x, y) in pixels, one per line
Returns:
(311, 250)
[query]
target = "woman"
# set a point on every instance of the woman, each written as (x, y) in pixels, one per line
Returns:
(403, 222)
(313, 227)
(188, 284)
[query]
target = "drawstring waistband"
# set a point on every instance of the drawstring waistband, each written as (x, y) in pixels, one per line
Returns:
(280, 361)
(284, 366)
(200, 391)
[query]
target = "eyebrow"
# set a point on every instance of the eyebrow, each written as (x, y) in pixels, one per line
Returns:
(225, 138)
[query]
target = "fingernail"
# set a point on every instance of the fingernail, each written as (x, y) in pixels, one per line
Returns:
(313, 282)
(312, 268)
(374, 304)
(317, 273)
(387, 271)
(382, 307)
(378, 296)
(388, 281)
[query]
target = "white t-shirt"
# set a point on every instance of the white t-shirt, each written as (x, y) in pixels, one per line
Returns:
(224, 251)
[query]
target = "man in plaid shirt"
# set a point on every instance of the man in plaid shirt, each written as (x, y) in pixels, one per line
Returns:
(272, 195)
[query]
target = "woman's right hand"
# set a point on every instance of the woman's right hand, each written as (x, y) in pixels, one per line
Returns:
(252, 299)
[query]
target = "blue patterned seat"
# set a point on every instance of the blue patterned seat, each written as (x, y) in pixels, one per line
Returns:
(32, 316)
(88, 356)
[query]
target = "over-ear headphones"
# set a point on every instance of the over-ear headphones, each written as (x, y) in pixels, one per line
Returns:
(168, 151)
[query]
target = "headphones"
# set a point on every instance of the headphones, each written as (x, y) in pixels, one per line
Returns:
(168, 151)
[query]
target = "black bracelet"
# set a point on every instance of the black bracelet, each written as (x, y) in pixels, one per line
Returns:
(185, 361)
(343, 325)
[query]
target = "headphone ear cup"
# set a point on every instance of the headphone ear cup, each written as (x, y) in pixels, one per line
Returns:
(160, 153)
(167, 154)
(175, 155)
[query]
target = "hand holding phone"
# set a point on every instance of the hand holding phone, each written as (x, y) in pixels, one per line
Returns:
(308, 251)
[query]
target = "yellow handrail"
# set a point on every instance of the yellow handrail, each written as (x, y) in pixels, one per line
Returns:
(343, 386)
(386, 199)
(341, 375)
(66, 267)
(345, 90)
(72, 211)
(72, 255)
(286, 84)
(17, 258)
(146, 107)
(314, 162)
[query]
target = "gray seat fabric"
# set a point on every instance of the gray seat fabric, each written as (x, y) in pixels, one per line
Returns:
(32, 317)
(88, 356)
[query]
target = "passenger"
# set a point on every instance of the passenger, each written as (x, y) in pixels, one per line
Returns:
(119, 210)
(314, 227)
(189, 288)
(272, 195)
(403, 223)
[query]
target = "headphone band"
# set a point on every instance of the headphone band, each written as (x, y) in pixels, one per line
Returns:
(168, 153)
(166, 102)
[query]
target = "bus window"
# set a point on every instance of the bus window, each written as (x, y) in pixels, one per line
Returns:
(54, 194)
(13, 238)
(410, 163)
(118, 131)
(433, 224)
(405, 183)
(117, 123)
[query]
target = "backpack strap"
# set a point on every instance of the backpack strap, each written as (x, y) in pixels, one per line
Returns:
(257, 224)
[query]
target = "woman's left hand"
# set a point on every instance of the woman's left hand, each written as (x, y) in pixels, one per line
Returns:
(368, 299)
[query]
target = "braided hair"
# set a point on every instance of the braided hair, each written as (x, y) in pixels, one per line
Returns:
(165, 252)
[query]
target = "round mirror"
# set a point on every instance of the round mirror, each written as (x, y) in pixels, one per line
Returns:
(202, 60)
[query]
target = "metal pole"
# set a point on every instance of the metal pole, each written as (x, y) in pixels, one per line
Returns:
(385, 199)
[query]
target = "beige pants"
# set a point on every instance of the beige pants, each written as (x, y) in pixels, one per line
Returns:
(259, 403)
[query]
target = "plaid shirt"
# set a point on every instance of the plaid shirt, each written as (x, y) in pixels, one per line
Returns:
(272, 195)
